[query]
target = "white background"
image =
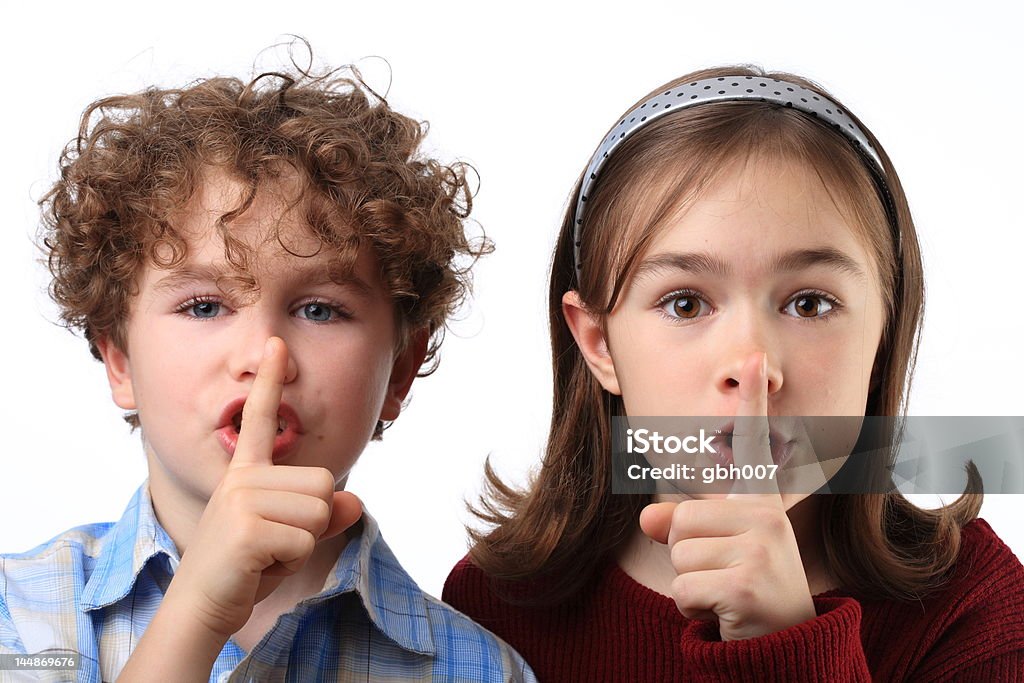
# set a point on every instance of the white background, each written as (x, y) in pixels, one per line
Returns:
(524, 93)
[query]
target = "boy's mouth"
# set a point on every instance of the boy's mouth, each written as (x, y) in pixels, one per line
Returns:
(229, 427)
(236, 422)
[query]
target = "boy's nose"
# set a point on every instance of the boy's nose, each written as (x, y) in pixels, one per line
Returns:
(247, 352)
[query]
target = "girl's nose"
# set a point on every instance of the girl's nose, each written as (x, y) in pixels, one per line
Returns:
(730, 377)
(745, 339)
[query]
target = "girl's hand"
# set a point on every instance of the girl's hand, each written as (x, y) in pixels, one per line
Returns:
(737, 559)
(263, 520)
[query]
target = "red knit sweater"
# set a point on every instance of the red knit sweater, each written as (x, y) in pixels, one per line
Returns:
(971, 630)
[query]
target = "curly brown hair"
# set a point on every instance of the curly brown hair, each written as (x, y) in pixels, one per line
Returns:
(139, 158)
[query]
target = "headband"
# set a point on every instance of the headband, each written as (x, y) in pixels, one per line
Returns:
(722, 89)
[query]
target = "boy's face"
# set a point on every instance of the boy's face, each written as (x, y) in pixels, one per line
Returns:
(193, 347)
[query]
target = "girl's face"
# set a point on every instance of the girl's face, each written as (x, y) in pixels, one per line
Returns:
(763, 262)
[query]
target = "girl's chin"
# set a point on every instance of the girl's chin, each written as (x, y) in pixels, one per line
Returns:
(789, 500)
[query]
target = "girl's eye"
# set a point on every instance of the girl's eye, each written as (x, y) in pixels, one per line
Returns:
(682, 305)
(810, 305)
(320, 312)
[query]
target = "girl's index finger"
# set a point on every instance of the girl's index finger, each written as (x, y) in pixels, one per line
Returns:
(259, 415)
(751, 445)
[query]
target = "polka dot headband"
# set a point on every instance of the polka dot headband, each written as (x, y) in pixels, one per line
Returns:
(720, 89)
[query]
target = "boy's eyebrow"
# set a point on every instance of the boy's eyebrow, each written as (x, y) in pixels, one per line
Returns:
(703, 263)
(312, 277)
(186, 275)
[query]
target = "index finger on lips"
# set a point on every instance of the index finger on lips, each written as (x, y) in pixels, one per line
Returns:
(259, 416)
(751, 447)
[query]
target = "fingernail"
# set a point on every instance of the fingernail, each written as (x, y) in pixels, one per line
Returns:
(268, 348)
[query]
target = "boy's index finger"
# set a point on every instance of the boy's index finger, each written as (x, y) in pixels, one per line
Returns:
(259, 415)
(751, 445)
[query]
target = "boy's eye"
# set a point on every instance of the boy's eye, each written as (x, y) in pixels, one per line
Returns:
(201, 309)
(206, 309)
(317, 312)
(809, 306)
(685, 306)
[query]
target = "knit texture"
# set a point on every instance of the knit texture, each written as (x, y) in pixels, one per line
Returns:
(972, 629)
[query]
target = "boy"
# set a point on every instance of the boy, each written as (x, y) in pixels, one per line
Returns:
(262, 269)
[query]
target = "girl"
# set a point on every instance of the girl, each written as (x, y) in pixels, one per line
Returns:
(740, 246)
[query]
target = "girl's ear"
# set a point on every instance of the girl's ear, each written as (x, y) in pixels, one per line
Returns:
(119, 373)
(589, 333)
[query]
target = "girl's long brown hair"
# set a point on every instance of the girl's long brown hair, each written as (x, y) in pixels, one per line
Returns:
(567, 523)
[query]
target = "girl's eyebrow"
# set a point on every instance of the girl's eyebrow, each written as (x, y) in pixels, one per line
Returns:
(705, 263)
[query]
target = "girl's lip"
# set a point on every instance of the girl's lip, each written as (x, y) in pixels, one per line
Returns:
(781, 446)
(781, 453)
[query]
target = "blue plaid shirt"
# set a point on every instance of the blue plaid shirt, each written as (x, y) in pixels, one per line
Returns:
(95, 588)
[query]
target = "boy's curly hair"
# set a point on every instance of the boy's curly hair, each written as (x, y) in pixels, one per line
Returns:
(139, 158)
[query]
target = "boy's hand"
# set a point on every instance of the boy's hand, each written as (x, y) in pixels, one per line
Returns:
(263, 521)
(737, 559)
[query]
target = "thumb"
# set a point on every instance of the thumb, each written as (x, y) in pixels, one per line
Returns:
(346, 509)
(656, 520)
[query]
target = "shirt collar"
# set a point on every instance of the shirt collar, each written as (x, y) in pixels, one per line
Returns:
(394, 602)
(126, 548)
(392, 599)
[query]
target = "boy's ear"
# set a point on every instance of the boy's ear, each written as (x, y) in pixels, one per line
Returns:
(403, 372)
(119, 373)
(589, 334)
